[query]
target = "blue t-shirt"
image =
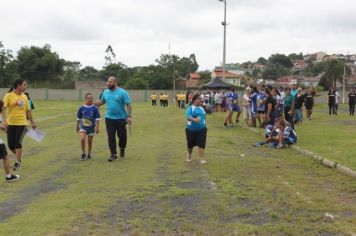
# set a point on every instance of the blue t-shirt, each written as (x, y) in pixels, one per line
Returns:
(87, 115)
(115, 103)
(294, 92)
(232, 99)
(253, 103)
(261, 103)
(195, 112)
(290, 134)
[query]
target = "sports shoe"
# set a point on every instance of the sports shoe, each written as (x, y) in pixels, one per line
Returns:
(203, 161)
(122, 153)
(187, 159)
(17, 166)
(231, 125)
(279, 146)
(88, 156)
(12, 178)
(82, 158)
(225, 125)
(259, 144)
(113, 157)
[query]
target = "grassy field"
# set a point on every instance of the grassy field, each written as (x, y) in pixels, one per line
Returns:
(154, 192)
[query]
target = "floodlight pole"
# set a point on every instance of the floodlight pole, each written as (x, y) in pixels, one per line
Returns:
(224, 48)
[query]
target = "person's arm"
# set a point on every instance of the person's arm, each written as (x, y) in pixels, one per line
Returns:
(269, 109)
(4, 120)
(79, 116)
(97, 121)
(101, 101)
(77, 127)
(190, 117)
(30, 118)
(129, 113)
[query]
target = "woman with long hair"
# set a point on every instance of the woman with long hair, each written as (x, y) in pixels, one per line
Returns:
(16, 114)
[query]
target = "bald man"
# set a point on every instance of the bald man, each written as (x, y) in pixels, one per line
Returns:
(116, 116)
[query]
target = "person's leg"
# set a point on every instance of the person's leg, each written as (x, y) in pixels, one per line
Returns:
(336, 108)
(6, 164)
(350, 108)
(122, 135)
(90, 144)
(330, 108)
(11, 138)
(238, 116)
(230, 117)
(82, 141)
(353, 109)
(259, 118)
(111, 131)
(19, 135)
(202, 155)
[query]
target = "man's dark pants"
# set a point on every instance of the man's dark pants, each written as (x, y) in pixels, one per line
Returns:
(113, 128)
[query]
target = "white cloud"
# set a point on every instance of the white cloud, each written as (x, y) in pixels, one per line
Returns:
(141, 30)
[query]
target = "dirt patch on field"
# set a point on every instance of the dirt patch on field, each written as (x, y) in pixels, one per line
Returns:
(28, 195)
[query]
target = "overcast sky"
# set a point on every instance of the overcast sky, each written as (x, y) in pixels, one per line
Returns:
(140, 30)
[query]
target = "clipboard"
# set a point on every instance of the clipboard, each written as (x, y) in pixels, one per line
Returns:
(36, 135)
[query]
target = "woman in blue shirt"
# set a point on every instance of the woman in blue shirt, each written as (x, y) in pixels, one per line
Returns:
(196, 129)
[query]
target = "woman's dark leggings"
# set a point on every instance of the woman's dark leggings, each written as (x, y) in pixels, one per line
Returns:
(352, 109)
(332, 109)
(15, 134)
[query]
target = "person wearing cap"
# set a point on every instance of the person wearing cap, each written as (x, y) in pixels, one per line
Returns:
(196, 129)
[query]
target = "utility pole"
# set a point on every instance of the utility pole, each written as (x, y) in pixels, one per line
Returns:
(224, 47)
(343, 86)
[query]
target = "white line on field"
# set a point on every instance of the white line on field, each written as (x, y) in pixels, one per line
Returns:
(52, 117)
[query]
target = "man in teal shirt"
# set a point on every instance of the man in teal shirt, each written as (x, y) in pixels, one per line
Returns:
(116, 116)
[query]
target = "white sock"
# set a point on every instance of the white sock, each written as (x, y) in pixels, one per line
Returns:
(8, 176)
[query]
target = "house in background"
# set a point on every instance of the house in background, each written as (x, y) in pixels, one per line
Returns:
(308, 81)
(286, 80)
(233, 68)
(193, 81)
(230, 77)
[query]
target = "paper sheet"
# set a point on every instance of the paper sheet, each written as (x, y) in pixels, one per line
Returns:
(36, 135)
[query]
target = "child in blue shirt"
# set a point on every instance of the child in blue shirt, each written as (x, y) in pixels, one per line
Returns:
(88, 118)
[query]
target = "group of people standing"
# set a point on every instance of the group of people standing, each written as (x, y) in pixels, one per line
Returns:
(16, 114)
(163, 99)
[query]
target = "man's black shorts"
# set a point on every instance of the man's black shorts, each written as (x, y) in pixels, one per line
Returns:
(196, 138)
(3, 151)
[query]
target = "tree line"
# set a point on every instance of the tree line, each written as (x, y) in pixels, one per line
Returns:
(42, 67)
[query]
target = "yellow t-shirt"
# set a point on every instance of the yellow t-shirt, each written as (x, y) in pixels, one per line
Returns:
(153, 97)
(182, 97)
(165, 97)
(16, 106)
(161, 97)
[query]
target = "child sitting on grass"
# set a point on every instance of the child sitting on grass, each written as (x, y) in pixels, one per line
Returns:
(288, 136)
(88, 117)
(3, 154)
(271, 136)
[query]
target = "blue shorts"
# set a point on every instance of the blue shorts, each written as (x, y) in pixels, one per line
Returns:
(233, 107)
(88, 130)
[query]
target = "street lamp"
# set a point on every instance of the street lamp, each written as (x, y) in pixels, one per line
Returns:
(224, 49)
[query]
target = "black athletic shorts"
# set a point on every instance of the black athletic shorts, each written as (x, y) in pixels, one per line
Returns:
(15, 134)
(196, 138)
(3, 151)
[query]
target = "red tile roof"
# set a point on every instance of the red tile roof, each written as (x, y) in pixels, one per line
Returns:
(194, 76)
(219, 74)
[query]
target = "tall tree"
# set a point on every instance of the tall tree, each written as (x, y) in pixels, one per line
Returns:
(40, 64)
(262, 61)
(280, 59)
(89, 73)
(110, 56)
(6, 66)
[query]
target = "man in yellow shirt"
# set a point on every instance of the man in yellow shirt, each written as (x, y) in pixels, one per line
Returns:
(161, 99)
(154, 99)
(15, 115)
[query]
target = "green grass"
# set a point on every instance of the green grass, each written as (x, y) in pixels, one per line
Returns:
(331, 137)
(154, 192)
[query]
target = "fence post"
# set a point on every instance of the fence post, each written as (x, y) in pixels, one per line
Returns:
(46, 94)
(80, 94)
(145, 95)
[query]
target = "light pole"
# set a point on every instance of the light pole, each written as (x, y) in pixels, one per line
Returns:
(224, 49)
